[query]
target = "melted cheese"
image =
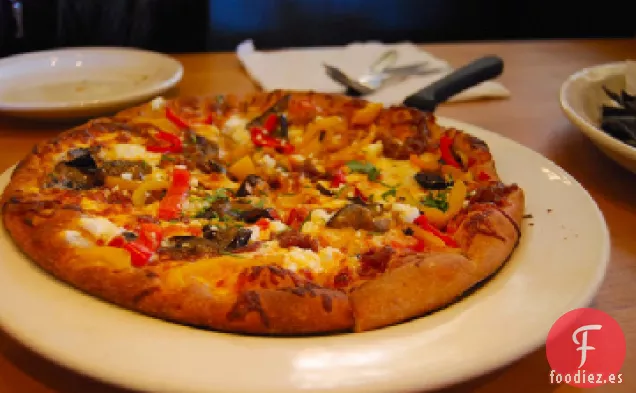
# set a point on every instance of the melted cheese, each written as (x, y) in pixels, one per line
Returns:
(131, 152)
(298, 258)
(100, 227)
(74, 238)
(407, 213)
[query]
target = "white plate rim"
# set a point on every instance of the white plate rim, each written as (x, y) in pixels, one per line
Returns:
(127, 379)
(154, 89)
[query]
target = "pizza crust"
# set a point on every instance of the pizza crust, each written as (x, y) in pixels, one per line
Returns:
(422, 283)
(400, 294)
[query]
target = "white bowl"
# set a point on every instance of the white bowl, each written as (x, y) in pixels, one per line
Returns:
(581, 98)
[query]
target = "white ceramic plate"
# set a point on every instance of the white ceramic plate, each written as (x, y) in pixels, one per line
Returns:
(558, 266)
(581, 99)
(82, 82)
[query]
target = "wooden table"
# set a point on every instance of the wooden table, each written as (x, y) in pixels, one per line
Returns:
(534, 72)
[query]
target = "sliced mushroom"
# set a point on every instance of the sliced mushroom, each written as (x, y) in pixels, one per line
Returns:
(359, 217)
(79, 172)
(252, 185)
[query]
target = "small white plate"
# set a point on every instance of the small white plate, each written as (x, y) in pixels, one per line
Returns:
(83, 82)
(559, 265)
(581, 99)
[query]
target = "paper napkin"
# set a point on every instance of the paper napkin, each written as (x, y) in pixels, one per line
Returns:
(301, 69)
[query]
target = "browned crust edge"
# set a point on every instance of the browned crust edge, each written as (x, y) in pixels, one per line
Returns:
(487, 239)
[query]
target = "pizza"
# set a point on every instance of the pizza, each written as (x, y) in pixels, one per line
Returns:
(279, 213)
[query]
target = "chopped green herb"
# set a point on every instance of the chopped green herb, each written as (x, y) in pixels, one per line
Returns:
(341, 191)
(366, 168)
(193, 138)
(437, 201)
(219, 194)
(306, 219)
(236, 212)
(260, 204)
(391, 192)
(232, 254)
(220, 99)
(166, 157)
(390, 186)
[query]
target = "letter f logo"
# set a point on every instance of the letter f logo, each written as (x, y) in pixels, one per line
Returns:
(583, 344)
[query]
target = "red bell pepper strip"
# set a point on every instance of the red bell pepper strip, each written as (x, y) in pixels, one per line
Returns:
(261, 138)
(183, 123)
(338, 178)
(285, 147)
(174, 143)
(483, 176)
(150, 235)
(445, 145)
(262, 223)
(171, 205)
(423, 223)
(180, 178)
(117, 241)
(419, 246)
(359, 194)
(271, 122)
(296, 217)
(139, 254)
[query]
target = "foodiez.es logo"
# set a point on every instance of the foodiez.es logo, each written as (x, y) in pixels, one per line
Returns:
(586, 348)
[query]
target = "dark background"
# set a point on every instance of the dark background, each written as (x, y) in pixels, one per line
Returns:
(219, 25)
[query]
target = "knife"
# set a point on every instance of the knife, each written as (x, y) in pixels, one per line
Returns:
(427, 99)
(480, 70)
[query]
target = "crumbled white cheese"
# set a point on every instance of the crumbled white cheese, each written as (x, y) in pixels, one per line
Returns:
(268, 161)
(100, 227)
(297, 157)
(234, 123)
(126, 176)
(131, 152)
(373, 150)
(329, 254)
(298, 258)
(310, 227)
(320, 216)
(158, 103)
(242, 136)
(194, 182)
(256, 233)
(277, 226)
(76, 239)
(407, 213)
(181, 167)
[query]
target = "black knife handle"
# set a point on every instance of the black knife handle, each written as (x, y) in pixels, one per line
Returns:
(478, 71)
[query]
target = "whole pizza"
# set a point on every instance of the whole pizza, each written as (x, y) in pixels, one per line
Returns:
(276, 213)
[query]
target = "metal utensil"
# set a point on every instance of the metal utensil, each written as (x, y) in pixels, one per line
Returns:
(368, 82)
(377, 77)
